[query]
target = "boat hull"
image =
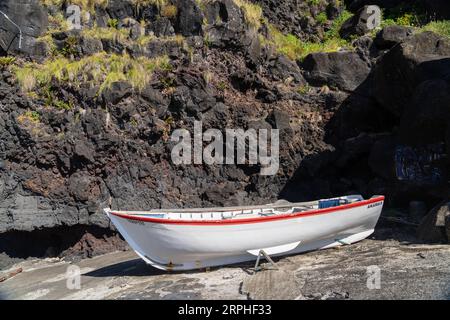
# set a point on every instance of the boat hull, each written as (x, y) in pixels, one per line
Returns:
(181, 245)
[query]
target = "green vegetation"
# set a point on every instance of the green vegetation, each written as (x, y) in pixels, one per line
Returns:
(143, 3)
(413, 15)
(410, 15)
(49, 3)
(100, 70)
(113, 23)
(29, 116)
(294, 48)
(406, 20)
(417, 20)
(133, 122)
(61, 105)
(207, 40)
(119, 35)
(167, 82)
(70, 46)
(304, 89)
(52, 101)
(221, 86)
(289, 45)
(169, 11)
(322, 18)
(6, 61)
(253, 12)
(439, 27)
(122, 35)
(57, 22)
(333, 32)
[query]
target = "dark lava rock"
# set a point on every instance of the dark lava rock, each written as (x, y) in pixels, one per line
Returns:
(162, 27)
(90, 46)
(433, 226)
(189, 18)
(392, 35)
(194, 96)
(119, 9)
(426, 118)
(30, 15)
(225, 24)
(118, 91)
(381, 159)
(366, 48)
(424, 56)
(282, 68)
(279, 120)
(344, 70)
(155, 99)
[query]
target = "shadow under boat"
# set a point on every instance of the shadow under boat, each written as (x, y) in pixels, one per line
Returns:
(130, 268)
(138, 268)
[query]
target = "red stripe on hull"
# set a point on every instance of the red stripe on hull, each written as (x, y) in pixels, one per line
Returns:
(250, 220)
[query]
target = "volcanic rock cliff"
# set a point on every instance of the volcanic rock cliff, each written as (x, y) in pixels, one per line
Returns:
(86, 115)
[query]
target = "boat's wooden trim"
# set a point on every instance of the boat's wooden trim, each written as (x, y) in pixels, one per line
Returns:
(249, 220)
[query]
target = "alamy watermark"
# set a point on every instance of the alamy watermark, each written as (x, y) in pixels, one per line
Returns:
(373, 17)
(373, 277)
(236, 147)
(73, 277)
(75, 17)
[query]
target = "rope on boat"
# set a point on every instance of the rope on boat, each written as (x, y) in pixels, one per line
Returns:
(20, 30)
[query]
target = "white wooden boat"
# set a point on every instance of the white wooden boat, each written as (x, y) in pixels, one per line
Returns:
(184, 239)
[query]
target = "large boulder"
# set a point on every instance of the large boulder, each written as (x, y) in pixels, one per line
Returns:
(225, 24)
(281, 68)
(412, 81)
(364, 21)
(381, 158)
(344, 70)
(119, 9)
(392, 35)
(162, 27)
(433, 226)
(226, 27)
(189, 18)
(118, 91)
(32, 19)
(447, 227)
(423, 57)
(193, 95)
(426, 119)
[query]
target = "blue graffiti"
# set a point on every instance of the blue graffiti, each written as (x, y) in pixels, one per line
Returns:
(418, 164)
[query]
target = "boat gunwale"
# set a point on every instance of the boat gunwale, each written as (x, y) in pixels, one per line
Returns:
(259, 219)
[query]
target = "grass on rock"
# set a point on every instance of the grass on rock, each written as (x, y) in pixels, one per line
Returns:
(100, 70)
(296, 49)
